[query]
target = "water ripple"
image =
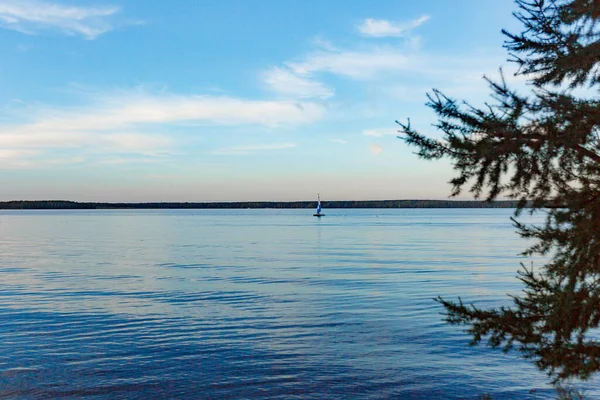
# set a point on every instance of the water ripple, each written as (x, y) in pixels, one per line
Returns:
(253, 304)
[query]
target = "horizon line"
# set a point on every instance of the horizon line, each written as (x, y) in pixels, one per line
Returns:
(249, 201)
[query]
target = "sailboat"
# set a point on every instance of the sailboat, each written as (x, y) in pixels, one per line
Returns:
(318, 213)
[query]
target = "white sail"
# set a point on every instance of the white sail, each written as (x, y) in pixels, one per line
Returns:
(318, 213)
(318, 205)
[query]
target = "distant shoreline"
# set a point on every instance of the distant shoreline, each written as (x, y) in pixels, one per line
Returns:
(73, 205)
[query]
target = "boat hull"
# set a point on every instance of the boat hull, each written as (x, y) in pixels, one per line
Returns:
(318, 215)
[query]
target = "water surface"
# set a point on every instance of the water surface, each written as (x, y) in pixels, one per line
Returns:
(185, 304)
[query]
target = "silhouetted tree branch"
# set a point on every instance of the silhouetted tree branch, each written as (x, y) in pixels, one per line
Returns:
(544, 151)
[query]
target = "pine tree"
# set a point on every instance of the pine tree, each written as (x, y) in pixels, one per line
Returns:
(542, 149)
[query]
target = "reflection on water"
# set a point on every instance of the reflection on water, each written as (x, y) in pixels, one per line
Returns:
(253, 304)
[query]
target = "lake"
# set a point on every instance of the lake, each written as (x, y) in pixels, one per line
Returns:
(232, 304)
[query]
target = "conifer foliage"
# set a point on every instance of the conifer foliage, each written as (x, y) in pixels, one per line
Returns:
(542, 149)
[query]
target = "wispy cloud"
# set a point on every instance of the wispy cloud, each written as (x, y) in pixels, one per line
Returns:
(286, 82)
(400, 70)
(380, 132)
(386, 65)
(6, 154)
(340, 141)
(152, 145)
(66, 160)
(238, 150)
(129, 123)
(33, 16)
(383, 62)
(382, 28)
(375, 149)
(128, 160)
(353, 64)
(108, 142)
(119, 110)
(28, 158)
(126, 110)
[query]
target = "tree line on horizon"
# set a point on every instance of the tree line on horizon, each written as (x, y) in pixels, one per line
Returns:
(73, 205)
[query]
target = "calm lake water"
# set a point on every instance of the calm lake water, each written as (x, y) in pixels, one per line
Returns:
(233, 304)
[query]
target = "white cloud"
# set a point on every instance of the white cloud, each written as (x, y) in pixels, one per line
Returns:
(135, 143)
(324, 44)
(111, 142)
(126, 109)
(67, 160)
(28, 158)
(375, 149)
(380, 132)
(237, 150)
(403, 68)
(22, 138)
(128, 160)
(286, 82)
(341, 141)
(400, 63)
(381, 27)
(353, 64)
(32, 16)
(127, 123)
(16, 153)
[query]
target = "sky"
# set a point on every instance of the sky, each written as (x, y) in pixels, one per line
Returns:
(220, 100)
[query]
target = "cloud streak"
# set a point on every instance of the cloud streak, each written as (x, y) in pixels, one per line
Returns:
(240, 150)
(380, 132)
(382, 28)
(30, 159)
(285, 82)
(34, 16)
(126, 109)
(353, 64)
(127, 122)
(134, 143)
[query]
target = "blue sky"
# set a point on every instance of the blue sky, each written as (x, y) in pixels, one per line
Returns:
(149, 100)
